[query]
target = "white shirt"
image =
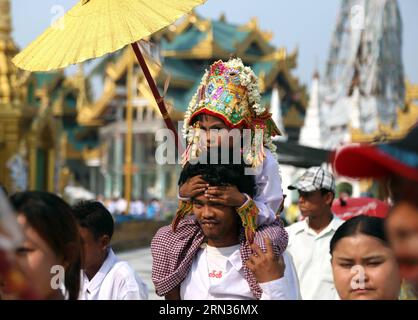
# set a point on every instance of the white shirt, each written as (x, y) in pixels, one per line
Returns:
(115, 280)
(217, 273)
(138, 208)
(111, 206)
(310, 253)
(120, 206)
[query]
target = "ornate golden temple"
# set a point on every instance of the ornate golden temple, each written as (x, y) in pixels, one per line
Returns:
(39, 148)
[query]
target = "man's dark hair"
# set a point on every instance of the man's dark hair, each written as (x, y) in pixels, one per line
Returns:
(325, 191)
(94, 216)
(221, 175)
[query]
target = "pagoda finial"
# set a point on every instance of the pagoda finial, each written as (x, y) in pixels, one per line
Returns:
(316, 72)
(267, 35)
(193, 17)
(253, 23)
(5, 20)
(8, 71)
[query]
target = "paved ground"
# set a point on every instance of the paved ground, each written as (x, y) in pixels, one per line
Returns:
(141, 261)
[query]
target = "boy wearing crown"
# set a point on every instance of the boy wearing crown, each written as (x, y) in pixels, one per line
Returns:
(227, 100)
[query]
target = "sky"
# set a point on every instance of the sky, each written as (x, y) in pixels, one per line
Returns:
(303, 24)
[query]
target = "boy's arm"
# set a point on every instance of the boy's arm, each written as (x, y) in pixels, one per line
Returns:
(266, 215)
(191, 188)
(269, 194)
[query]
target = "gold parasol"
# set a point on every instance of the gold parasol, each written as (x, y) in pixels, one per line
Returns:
(93, 28)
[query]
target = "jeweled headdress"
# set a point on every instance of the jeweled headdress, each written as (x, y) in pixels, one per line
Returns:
(230, 91)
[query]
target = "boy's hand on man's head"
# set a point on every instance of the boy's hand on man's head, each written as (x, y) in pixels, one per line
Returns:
(225, 195)
(265, 265)
(193, 187)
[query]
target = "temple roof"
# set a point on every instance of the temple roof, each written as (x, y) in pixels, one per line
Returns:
(190, 47)
(199, 38)
(226, 36)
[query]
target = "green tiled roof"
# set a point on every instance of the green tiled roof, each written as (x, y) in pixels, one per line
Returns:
(263, 66)
(227, 36)
(41, 79)
(45, 78)
(181, 69)
(182, 97)
(72, 130)
(70, 102)
(177, 95)
(185, 41)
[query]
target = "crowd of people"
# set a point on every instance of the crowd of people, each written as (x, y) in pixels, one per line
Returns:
(138, 208)
(226, 240)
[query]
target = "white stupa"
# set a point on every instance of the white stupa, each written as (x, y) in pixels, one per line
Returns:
(310, 134)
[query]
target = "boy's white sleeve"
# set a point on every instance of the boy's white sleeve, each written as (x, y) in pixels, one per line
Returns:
(269, 194)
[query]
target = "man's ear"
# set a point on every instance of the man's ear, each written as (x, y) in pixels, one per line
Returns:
(329, 197)
(105, 241)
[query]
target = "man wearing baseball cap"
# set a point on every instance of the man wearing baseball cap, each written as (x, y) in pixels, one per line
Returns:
(309, 239)
(396, 164)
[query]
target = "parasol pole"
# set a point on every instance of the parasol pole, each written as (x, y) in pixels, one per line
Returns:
(128, 137)
(156, 94)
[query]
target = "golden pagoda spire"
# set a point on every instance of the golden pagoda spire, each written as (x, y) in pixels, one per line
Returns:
(8, 71)
(5, 20)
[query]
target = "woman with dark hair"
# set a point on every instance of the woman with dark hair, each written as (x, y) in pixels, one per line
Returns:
(50, 251)
(363, 264)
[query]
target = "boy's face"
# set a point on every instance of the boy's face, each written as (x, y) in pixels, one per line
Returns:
(402, 230)
(94, 249)
(312, 204)
(217, 132)
(219, 223)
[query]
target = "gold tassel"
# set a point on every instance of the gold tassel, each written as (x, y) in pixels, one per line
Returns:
(194, 148)
(184, 208)
(248, 214)
(185, 157)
